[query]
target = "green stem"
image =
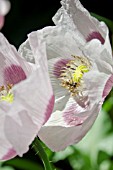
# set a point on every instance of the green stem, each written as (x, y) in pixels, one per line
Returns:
(42, 154)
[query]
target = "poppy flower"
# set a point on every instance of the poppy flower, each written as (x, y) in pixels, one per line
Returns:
(81, 72)
(26, 99)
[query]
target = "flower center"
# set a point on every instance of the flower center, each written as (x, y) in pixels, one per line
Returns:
(71, 76)
(6, 94)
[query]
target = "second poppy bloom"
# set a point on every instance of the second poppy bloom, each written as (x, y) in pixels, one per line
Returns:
(26, 98)
(81, 72)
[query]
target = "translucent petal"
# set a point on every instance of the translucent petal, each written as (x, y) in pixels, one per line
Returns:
(6, 149)
(100, 55)
(76, 17)
(26, 52)
(55, 66)
(59, 43)
(32, 106)
(1, 21)
(60, 103)
(23, 130)
(108, 86)
(58, 137)
(95, 82)
(4, 7)
(10, 60)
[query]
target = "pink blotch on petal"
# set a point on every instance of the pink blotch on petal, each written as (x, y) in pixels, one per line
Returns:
(10, 154)
(95, 35)
(1, 21)
(59, 66)
(49, 108)
(108, 86)
(71, 115)
(14, 74)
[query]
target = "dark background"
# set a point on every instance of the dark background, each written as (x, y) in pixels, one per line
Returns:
(26, 16)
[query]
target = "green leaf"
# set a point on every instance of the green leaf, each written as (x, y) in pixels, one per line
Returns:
(111, 166)
(23, 164)
(102, 156)
(108, 104)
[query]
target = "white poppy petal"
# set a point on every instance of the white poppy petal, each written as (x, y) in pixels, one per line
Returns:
(95, 83)
(1, 21)
(108, 86)
(11, 153)
(13, 68)
(100, 55)
(26, 52)
(70, 111)
(58, 137)
(6, 149)
(95, 35)
(60, 103)
(59, 42)
(4, 7)
(55, 66)
(23, 130)
(74, 113)
(38, 94)
(73, 13)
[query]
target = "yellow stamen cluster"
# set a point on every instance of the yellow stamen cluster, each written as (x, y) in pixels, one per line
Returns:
(5, 93)
(71, 76)
(8, 98)
(78, 74)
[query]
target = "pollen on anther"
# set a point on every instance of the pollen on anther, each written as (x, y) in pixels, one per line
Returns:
(72, 74)
(6, 94)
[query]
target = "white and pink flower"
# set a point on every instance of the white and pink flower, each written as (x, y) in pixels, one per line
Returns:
(4, 9)
(81, 72)
(26, 98)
